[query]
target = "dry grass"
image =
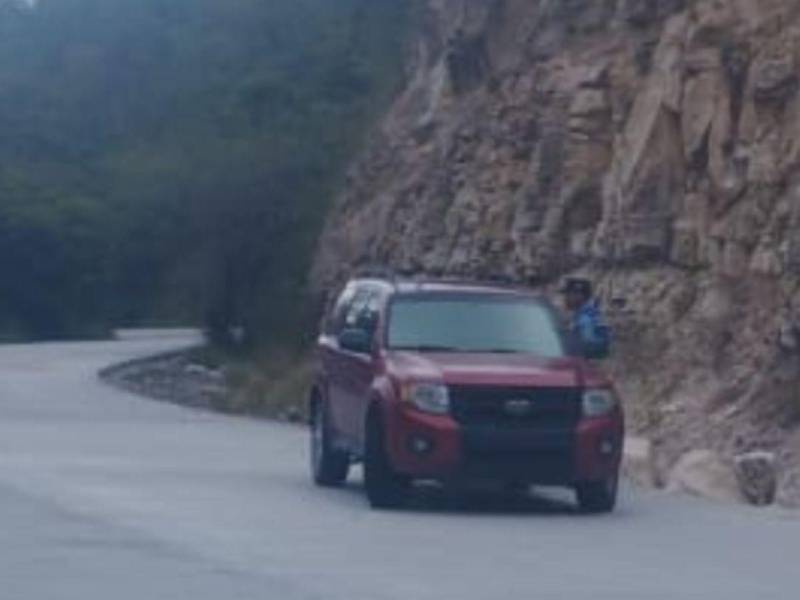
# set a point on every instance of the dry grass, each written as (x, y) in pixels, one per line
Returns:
(275, 386)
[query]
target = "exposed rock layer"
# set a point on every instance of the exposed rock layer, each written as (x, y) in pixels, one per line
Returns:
(652, 144)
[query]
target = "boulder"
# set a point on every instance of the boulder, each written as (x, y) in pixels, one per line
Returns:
(705, 474)
(195, 369)
(637, 461)
(216, 376)
(788, 495)
(756, 473)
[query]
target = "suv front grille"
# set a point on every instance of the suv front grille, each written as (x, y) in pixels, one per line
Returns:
(557, 408)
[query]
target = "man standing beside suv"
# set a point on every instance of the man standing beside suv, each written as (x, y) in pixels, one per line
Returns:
(587, 323)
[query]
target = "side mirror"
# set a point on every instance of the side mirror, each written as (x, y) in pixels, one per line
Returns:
(355, 340)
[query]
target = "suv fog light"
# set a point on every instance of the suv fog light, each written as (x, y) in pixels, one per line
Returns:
(420, 444)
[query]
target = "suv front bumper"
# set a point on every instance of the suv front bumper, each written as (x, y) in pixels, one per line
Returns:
(437, 447)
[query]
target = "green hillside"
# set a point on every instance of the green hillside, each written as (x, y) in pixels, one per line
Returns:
(172, 160)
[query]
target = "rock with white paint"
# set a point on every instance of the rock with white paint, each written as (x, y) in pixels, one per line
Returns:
(637, 463)
(704, 473)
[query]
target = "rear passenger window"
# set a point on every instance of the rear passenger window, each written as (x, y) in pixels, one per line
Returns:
(337, 316)
(368, 318)
(364, 312)
(354, 318)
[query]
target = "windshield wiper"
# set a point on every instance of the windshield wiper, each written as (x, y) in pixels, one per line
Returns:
(426, 348)
(451, 349)
(491, 351)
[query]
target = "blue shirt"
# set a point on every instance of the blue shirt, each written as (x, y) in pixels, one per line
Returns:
(591, 329)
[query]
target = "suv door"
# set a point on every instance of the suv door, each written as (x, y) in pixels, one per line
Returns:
(358, 368)
(332, 364)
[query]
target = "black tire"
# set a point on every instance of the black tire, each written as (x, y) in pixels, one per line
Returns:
(329, 466)
(598, 497)
(385, 488)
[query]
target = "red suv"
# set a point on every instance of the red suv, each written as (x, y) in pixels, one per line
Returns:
(448, 381)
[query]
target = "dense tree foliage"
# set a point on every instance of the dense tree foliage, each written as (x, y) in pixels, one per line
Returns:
(173, 159)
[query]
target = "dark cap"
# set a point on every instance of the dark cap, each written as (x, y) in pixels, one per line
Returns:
(577, 285)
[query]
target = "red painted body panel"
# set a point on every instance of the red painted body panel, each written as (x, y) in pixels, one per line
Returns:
(590, 463)
(445, 458)
(485, 369)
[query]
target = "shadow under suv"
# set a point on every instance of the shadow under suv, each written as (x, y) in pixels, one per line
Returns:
(450, 382)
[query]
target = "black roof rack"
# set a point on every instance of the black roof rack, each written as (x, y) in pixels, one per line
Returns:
(394, 276)
(507, 282)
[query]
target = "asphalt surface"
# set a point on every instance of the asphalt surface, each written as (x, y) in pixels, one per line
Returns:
(104, 495)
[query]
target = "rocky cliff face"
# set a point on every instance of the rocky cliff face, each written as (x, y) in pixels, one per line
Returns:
(651, 144)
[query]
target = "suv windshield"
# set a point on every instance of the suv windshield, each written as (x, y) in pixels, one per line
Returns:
(473, 324)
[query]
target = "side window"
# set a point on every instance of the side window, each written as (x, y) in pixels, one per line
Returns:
(355, 314)
(368, 318)
(364, 312)
(336, 318)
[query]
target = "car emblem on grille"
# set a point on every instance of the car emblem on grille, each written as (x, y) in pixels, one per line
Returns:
(518, 408)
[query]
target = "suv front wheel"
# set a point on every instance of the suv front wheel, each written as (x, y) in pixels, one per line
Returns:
(597, 497)
(385, 488)
(329, 466)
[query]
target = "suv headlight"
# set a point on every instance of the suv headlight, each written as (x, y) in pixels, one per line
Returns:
(431, 398)
(598, 403)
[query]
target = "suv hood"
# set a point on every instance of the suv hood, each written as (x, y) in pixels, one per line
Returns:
(511, 370)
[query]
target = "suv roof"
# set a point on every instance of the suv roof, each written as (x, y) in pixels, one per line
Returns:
(410, 285)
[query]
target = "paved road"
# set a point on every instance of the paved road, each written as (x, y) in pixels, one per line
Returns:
(107, 496)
